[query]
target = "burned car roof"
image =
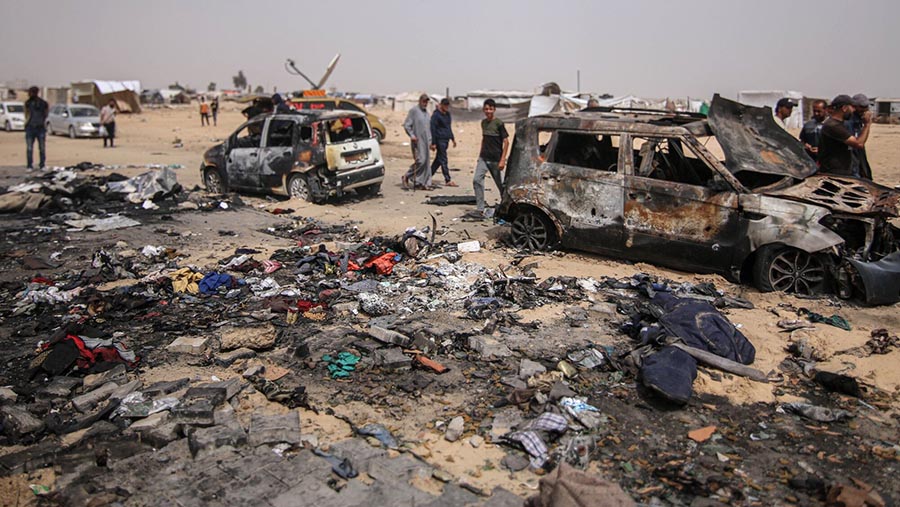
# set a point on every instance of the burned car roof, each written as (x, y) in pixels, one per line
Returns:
(308, 116)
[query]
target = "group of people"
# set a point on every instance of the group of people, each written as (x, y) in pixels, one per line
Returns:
(436, 134)
(835, 137)
(36, 112)
(207, 109)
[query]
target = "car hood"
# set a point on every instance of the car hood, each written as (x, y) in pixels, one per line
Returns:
(752, 141)
(844, 195)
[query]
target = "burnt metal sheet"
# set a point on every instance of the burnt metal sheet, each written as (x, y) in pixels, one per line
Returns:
(752, 141)
(844, 194)
(880, 279)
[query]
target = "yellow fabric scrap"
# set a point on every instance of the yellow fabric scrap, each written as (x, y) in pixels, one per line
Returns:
(185, 280)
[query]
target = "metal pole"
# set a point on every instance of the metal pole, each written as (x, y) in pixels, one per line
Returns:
(579, 80)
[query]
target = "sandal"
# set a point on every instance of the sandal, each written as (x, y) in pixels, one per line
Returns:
(404, 182)
(450, 184)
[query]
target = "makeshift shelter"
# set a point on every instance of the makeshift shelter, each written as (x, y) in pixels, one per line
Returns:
(407, 100)
(511, 105)
(887, 109)
(763, 98)
(125, 93)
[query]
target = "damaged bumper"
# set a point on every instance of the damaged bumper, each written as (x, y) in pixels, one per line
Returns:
(878, 281)
(355, 178)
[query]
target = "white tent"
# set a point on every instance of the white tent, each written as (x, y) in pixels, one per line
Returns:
(761, 98)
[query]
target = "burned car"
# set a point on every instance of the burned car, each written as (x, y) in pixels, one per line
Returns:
(642, 185)
(310, 155)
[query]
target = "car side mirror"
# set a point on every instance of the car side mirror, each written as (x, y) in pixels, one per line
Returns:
(65, 115)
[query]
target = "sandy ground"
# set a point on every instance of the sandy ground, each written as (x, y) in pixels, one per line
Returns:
(150, 138)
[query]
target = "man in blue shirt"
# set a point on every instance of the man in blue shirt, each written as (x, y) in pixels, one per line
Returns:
(811, 133)
(441, 137)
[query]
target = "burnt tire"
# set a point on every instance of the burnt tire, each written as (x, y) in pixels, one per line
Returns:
(369, 190)
(532, 230)
(299, 188)
(779, 268)
(213, 181)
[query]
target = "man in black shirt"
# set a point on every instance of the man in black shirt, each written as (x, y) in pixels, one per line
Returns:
(811, 133)
(36, 110)
(836, 142)
(492, 157)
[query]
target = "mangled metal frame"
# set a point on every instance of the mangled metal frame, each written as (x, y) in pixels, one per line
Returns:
(713, 228)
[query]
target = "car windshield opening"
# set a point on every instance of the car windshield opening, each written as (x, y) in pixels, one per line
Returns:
(84, 112)
(249, 136)
(348, 129)
(670, 159)
(280, 133)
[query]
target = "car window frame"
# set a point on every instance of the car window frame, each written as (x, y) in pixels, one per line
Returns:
(232, 139)
(265, 140)
(552, 144)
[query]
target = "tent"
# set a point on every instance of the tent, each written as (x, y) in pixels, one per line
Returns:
(761, 98)
(125, 93)
(511, 105)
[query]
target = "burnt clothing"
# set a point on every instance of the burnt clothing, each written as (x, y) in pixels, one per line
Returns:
(834, 154)
(441, 126)
(493, 132)
(811, 134)
(36, 110)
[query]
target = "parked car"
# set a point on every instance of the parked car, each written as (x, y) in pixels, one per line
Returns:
(310, 155)
(12, 116)
(641, 185)
(331, 103)
(75, 120)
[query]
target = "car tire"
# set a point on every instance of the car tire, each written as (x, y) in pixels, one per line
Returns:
(779, 268)
(532, 230)
(72, 134)
(369, 190)
(8, 126)
(213, 181)
(379, 135)
(49, 128)
(299, 188)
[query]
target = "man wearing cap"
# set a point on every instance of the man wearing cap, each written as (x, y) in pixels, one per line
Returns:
(836, 141)
(811, 132)
(783, 110)
(418, 129)
(860, 163)
(441, 137)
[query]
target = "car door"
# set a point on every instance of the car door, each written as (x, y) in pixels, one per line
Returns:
(677, 212)
(242, 159)
(277, 154)
(582, 184)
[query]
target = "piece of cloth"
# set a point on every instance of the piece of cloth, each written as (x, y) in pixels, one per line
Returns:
(493, 133)
(212, 281)
(417, 125)
(440, 159)
(834, 154)
(441, 126)
(36, 110)
(40, 135)
(342, 364)
(384, 263)
(482, 167)
(834, 320)
(530, 438)
(568, 487)
(185, 280)
(811, 134)
(89, 352)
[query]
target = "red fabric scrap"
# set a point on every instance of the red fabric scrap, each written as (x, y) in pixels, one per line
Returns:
(42, 280)
(384, 263)
(304, 305)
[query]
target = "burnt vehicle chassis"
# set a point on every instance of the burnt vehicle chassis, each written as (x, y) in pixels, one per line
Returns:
(298, 155)
(762, 215)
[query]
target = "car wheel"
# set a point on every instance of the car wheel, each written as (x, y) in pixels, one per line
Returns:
(298, 187)
(379, 136)
(369, 190)
(213, 181)
(787, 269)
(532, 230)
(72, 132)
(8, 126)
(49, 128)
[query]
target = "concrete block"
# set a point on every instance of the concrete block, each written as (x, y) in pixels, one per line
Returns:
(150, 422)
(164, 387)
(392, 359)
(230, 357)
(275, 429)
(189, 345)
(116, 374)
(126, 389)
(488, 348)
(214, 437)
(89, 400)
(390, 337)
(195, 411)
(59, 387)
(529, 368)
(18, 422)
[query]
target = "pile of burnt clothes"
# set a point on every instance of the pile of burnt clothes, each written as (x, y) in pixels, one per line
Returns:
(83, 348)
(667, 320)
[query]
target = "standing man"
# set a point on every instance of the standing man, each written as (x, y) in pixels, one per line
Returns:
(836, 141)
(419, 131)
(204, 112)
(860, 163)
(214, 107)
(441, 136)
(36, 110)
(108, 121)
(783, 110)
(280, 105)
(492, 157)
(811, 132)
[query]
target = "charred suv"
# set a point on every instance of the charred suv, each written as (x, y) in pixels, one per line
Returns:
(310, 156)
(643, 186)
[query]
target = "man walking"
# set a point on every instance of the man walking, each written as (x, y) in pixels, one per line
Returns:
(836, 141)
(492, 157)
(214, 107)
(811, 132)
(859, 164)
(419, 131)
(441, 136)
(108, 121)
(204, 112)
(36, 110)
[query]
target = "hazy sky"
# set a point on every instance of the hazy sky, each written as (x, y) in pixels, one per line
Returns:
(649, 48)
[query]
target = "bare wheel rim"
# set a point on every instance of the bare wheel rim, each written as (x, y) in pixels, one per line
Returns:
(213, 182)
(797, 271)
(529, 231)
(299, 188)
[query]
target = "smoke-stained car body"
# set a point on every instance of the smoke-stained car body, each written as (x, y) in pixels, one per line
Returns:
(310, 156)
(641, 185)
